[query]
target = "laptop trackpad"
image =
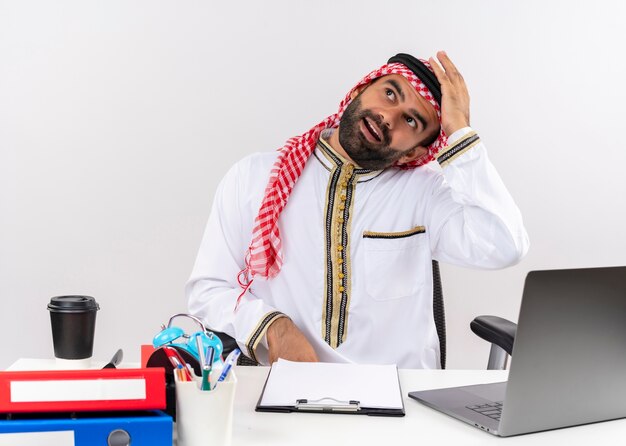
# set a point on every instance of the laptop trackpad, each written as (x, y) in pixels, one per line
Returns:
(462, 396)
(492, 392)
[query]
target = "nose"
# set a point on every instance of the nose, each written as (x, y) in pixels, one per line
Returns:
(390, 116)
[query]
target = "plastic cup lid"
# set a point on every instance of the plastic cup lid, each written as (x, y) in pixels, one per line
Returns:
(73, 304)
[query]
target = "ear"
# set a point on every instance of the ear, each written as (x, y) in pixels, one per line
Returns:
(412, 155)
(357, 91)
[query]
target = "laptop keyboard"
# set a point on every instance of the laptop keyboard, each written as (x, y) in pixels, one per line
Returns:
(492, 410)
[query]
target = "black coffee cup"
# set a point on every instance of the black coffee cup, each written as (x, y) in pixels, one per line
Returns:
(73, 320)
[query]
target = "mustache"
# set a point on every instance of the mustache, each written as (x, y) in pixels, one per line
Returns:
(379, 123)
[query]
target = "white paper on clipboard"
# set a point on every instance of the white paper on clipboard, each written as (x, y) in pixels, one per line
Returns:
(373, 386)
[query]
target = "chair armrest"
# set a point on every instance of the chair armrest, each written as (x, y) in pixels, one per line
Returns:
(496, 330)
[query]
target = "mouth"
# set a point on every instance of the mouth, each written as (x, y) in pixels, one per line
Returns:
(370, 130)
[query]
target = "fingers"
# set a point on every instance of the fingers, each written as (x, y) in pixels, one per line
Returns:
(441, 75)
(450, 68)
(449, 72)
(454, 94)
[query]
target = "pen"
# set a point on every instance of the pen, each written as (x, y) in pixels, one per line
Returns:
(207, 366)
(173, 355)
(210, 356)
(206, 380)
(190, 369)
(200, 348)
(173, 362)
(230, 360)
(181, 374)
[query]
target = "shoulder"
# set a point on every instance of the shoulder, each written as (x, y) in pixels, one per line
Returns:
(428, 174)
(248, 177)
(254, 167)
(257, 162)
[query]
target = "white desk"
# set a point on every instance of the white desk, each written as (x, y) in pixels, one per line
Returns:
(420, 426)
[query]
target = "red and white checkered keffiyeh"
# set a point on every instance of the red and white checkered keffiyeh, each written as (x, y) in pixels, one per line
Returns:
(264, 256)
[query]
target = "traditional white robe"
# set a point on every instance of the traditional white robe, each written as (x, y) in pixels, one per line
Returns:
(357, 251)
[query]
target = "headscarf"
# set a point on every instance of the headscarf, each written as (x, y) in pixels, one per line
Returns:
(264, 255)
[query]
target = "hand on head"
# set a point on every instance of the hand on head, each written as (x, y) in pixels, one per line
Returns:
(455, 100)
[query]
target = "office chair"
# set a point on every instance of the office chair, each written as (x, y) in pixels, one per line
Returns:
(496, 330)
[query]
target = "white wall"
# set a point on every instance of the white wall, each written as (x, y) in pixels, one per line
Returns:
(118, 118)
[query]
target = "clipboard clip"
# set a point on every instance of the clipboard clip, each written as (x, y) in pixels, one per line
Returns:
(328, 404)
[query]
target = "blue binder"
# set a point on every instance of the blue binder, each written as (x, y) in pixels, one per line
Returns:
(149, 428)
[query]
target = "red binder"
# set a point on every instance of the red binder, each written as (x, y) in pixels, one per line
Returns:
(82, 390)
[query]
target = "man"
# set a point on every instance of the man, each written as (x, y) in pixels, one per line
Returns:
(323, 250)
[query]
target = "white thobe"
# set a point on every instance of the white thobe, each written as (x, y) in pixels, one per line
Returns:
(357, 251)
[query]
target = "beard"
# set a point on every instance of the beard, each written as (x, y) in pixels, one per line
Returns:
(367, 154)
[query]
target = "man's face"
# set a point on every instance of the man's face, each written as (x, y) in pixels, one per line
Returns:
(387, 122)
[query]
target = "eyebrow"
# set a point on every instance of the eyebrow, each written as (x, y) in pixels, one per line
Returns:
(416, 114)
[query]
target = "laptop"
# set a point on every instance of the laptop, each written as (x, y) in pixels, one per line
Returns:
(569, 358)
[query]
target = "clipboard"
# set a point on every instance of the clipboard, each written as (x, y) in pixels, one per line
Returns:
(318, 387)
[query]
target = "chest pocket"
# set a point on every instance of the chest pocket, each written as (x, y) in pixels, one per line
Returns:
(394, 263)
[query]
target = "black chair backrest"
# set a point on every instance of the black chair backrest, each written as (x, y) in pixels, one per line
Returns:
(439, 313)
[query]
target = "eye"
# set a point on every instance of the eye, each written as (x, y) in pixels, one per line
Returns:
(390, 94)
(411, 121)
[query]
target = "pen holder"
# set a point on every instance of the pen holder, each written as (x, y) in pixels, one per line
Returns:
(205, 417)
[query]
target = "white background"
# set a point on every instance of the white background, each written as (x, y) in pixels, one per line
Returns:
(118, 118)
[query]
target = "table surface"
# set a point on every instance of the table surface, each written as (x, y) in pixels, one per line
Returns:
(421, 425)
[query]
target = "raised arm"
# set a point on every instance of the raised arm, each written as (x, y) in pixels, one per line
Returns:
(475, 219)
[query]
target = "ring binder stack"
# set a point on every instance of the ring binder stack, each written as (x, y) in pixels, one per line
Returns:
(84, 407)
